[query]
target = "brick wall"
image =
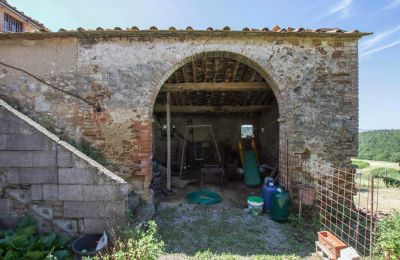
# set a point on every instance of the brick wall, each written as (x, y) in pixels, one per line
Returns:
(47, 178)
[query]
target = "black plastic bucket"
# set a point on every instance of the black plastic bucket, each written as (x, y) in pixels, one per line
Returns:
(85, 246)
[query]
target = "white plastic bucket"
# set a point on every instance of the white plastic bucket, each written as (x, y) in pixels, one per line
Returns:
(255, 205)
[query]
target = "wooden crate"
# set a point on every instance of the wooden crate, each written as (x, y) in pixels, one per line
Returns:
(331, 243)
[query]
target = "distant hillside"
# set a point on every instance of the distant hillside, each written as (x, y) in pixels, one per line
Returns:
(379, 145)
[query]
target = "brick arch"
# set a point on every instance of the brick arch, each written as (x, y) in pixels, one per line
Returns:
(223, 54)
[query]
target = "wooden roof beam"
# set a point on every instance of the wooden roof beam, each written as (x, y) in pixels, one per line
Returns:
(213, 86)
(211, 109)
(185, 74)
(235, 69)
(216, 63)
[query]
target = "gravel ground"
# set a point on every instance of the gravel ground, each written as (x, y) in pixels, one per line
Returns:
(224, 231)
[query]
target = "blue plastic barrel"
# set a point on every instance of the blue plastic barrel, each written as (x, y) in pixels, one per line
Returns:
(268, 188)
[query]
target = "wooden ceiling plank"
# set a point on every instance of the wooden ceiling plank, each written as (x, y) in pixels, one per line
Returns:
(253, 75)
(235, 69)
(204, 67)
(185, 74)
(212, 86)
(211, 109)
(176, 77)
(216, 63)
(194, 71)
(244, 73)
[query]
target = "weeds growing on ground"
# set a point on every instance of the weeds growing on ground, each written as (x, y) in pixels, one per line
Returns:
(301, 233)
(388, 236)
(139, 243)
(25, 243)
(208, 255)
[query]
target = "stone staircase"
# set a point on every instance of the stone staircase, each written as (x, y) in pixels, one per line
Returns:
(47, 178)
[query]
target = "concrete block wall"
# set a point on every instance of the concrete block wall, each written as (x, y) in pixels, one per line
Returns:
(49, 179)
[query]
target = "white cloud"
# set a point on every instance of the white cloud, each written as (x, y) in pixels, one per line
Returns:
(392, 5)
(342, 9)
(380, 48)
(378, 38)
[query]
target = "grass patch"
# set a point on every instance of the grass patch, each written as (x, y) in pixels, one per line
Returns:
(301, 233)
(360, 164)
(198, 232)
(207, 255)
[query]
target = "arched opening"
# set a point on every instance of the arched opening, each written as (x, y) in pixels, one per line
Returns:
(220, 107)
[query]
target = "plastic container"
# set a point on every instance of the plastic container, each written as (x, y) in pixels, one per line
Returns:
(268, 188)
(280, 205)
(268, 179)
(155, 164)
(85, 246)
(306, 194)
(255, 205)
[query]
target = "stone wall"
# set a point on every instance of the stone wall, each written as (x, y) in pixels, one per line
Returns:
(47, 178)
(267, 133)
(313, 76)
(227, 133)
(225, 128)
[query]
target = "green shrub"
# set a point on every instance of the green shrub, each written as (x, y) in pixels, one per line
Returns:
(25, 243)
(388, 236)
(360, 164)
(136, 244)
(390, 176)
(385, 172)
(379, 145)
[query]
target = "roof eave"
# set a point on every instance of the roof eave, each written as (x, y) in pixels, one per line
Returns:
(178, 33)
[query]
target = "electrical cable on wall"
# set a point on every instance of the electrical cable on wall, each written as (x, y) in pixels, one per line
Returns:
(94, 104)
(270, 124)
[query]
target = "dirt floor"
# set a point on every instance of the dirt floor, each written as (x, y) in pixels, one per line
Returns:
(226, 230)
(389, 198)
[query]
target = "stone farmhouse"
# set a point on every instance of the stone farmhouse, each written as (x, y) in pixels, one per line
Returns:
(131, 93)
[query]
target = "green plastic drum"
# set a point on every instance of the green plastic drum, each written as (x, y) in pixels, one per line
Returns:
(280, 205)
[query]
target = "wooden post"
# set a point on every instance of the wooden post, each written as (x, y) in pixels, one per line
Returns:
(168, 142)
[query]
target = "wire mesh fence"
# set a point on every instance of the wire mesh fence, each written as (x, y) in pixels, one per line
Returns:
(345, 201)
(347, 205)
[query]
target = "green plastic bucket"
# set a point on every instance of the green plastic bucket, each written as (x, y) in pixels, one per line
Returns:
(255, 205)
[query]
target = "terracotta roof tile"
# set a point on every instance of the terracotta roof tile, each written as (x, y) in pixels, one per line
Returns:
(274, 29)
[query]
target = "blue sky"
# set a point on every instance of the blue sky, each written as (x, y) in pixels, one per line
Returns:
(379, 65)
